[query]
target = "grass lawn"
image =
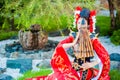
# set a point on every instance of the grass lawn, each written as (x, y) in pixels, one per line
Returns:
(114, 74)
(30, 74)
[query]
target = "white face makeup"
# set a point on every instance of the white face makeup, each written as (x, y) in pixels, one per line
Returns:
(80, 25)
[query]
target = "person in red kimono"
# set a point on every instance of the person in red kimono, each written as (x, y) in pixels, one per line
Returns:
(86, 46)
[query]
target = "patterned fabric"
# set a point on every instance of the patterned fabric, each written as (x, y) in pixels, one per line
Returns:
(62, 68)
(104, 57)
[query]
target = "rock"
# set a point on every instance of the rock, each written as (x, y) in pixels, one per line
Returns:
(115, 65)
(1, 56)
(14, 37)
(35, 62)
(13, 47)
(13, 50)
(115, 57)
(37, 56)
(2, 70)
(35, 38)
(3, 62)
(70, 52)
(8, 48)
(23, 64)
(5, 77)
(15, 73)
(118, 67)
(14, 55)
(7, 54)
(44, 64)
(2, 50)
(22, 56)
(35, 28)
(30, 56)
(52, 44)
(47, 55)
(29, 52)
(36, 51)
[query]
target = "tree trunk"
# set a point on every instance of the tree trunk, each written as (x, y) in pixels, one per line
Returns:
(117, 7)
(111, 8)
(117, 20)
(12, 27)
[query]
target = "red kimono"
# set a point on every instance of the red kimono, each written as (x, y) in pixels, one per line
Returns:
(62, 68)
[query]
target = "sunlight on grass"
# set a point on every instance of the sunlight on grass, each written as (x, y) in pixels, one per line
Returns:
(30, 74)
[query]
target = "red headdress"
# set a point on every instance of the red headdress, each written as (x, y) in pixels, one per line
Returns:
(92, 19)
(77, 11)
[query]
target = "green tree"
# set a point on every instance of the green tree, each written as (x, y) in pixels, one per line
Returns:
(117, 7)
(50, 14)
(115, 21)
(8, 13)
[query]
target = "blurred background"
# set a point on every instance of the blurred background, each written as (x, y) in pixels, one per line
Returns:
(52, 21)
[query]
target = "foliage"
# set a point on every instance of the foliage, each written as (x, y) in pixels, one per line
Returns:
(115, 38)
(7, 12)
(53, 17)
(114, 74)
(50, 14)
(117, 20)
(30, 74)
(103, 22)
(7, 34)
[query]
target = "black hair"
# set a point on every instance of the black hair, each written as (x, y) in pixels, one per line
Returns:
(85, 13)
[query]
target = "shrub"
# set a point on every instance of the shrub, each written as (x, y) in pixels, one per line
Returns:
(114, 74)
(103, 22)
(115, 38)
(7, 34)
(52, 15)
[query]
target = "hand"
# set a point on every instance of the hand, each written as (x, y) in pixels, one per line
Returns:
(76, 39)
(86, 65)
(78, 30)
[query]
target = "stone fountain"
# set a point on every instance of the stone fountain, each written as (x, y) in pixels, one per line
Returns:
(30, 50)
(34, 38)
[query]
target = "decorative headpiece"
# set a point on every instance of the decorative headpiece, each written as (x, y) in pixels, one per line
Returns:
(76, 15)
(87, 14)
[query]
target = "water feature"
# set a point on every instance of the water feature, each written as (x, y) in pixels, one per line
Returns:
(15, 49)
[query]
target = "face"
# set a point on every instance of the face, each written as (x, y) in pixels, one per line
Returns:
(80, 25)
